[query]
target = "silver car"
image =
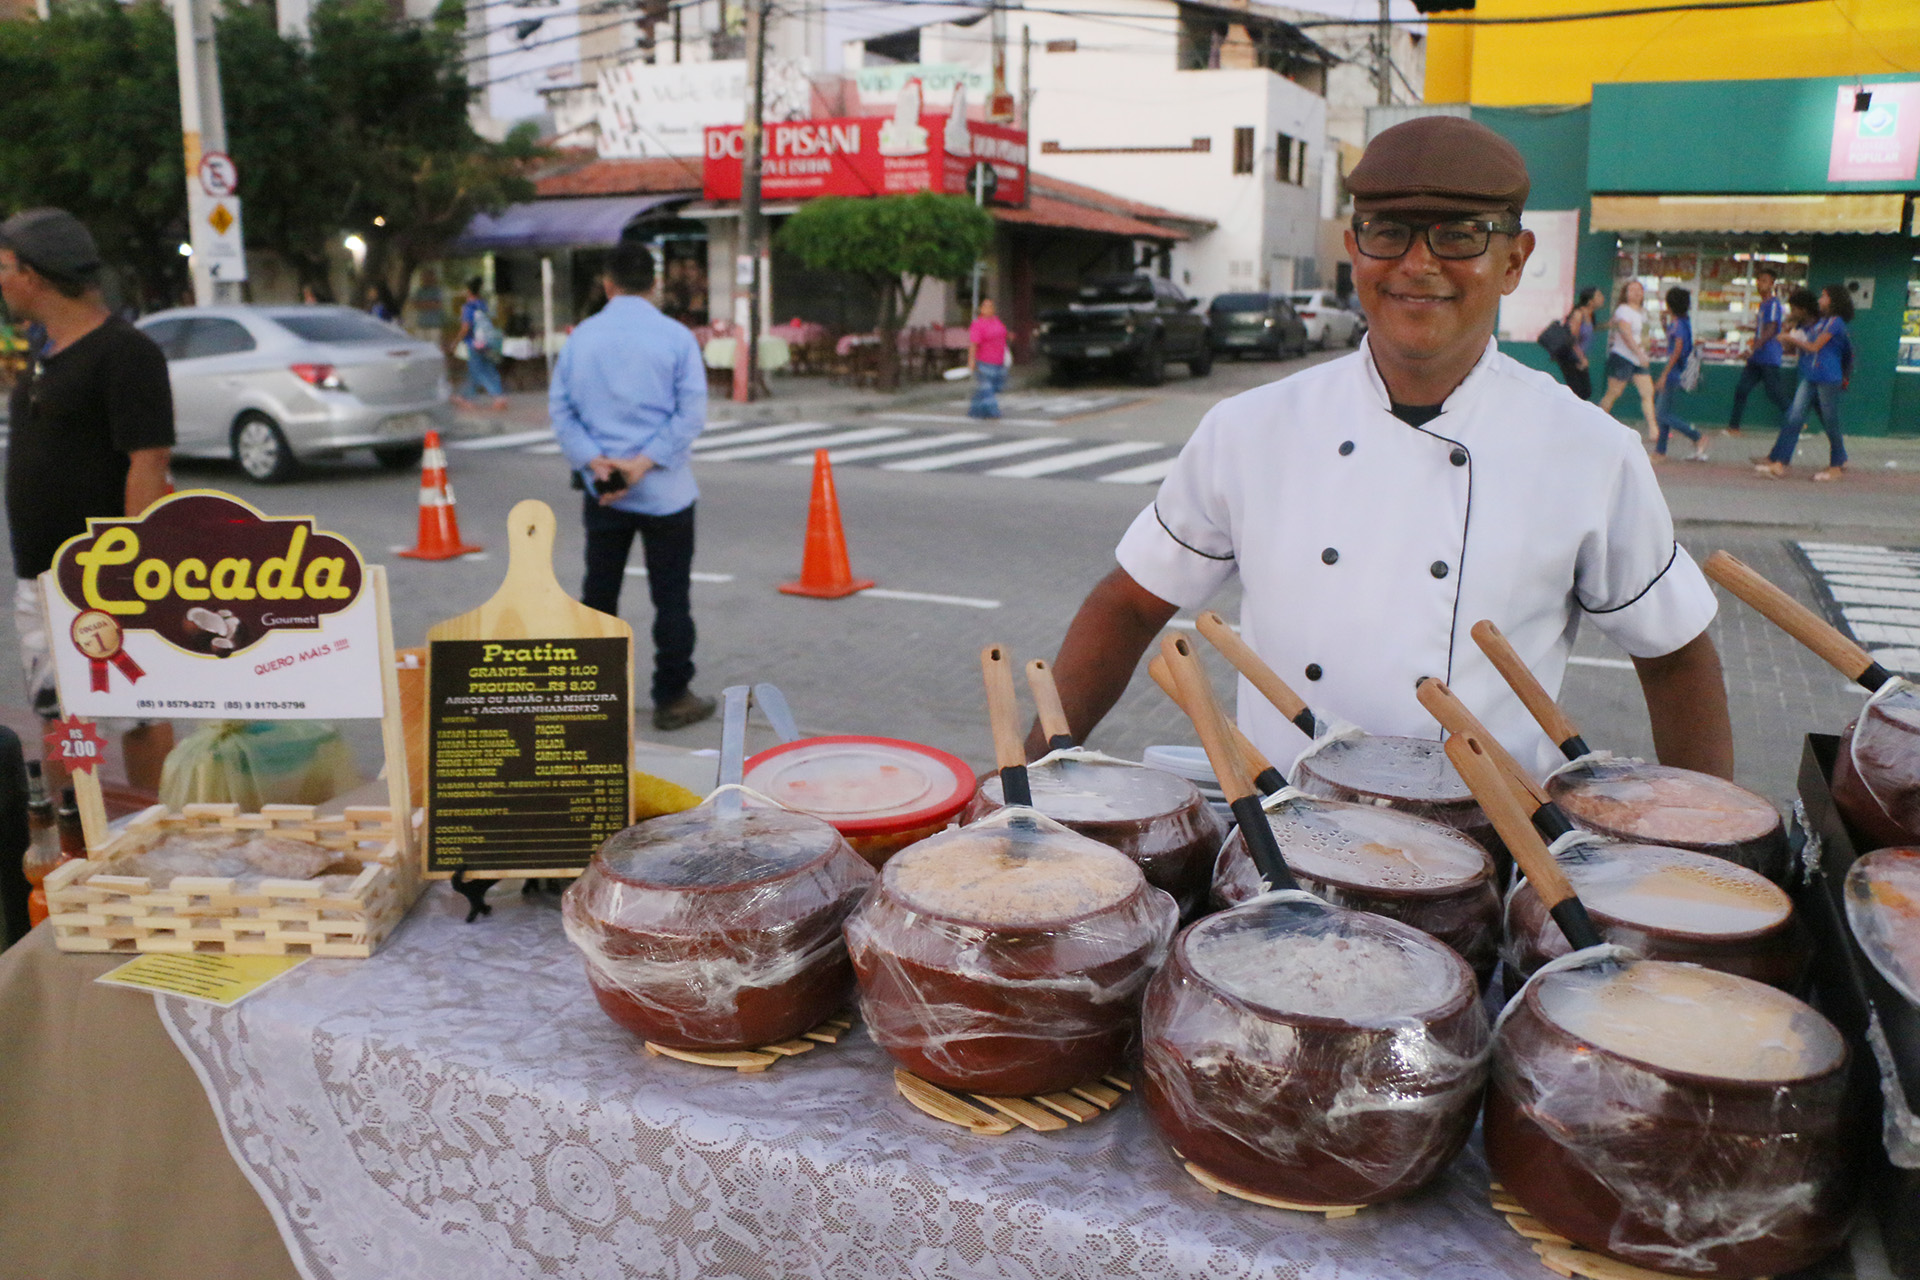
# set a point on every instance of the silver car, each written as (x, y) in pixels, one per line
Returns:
(269, 386)
(1328, 321)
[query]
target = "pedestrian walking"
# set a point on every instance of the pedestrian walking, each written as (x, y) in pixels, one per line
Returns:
(1763, 368)
(1627, 354)
(481, 337)
(1826, 365)
(378, 307)
(987, 357)
(91, 431)
(1681, 375)
(628, 399)
(1571, 337)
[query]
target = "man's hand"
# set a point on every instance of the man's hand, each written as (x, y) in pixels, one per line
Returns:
(628, 470)
(1687, 708)
(1116, 623)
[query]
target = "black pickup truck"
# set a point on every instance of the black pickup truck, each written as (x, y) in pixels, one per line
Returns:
(1137, 322)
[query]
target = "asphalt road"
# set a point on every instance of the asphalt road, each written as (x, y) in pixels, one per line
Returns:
(1007, 544)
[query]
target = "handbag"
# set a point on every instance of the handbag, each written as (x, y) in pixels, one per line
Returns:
(1690, 371)
(1557, 339)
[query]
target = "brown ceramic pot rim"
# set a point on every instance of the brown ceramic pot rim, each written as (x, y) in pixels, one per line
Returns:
(1438, 892)
(881, 889)
(1783, 925)
(1531, 996)
(1467, 990)
(739, 886)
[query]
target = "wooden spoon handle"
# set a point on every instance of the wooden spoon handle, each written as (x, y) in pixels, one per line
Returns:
(1258, 673)
(1267, 778)
(1454, 717)
(1046, 698)
(1485, 779)
(1197, 695)
(1002, 713)
(1559, 726)
(1798, 621)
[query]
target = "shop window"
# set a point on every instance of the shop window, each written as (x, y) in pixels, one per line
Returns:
(1243, 150)
(1720, 275)
(1910, 322)
(1290, 160)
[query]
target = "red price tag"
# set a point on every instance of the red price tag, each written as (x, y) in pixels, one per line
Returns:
(76, 743)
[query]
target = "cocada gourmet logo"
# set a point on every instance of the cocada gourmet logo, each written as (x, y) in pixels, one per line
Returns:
(205, 572)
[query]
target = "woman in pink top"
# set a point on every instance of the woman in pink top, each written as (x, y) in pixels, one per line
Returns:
(987, 357)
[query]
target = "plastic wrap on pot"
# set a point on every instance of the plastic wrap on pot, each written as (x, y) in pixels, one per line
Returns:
(1008, 957)
(1876, 778)
(1314, 1054)
(1421, 873)
(1883, 910)
(1672, 1116)
(1630, 799)
(1412, 775)
(1666, 904)
(1158, 819)
(719, 927)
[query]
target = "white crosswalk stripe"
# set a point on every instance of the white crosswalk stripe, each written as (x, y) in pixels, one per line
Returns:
(1151, 473)
(1073, 461)
(807, 443)
(512, 440)
(1004, 449)
(543, 449)
(713, 439)
(1876, 593)
(898, 447)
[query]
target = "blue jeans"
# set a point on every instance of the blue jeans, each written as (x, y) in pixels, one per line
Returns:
(1824, 399)
(1663, 413)
(988, 381)
(483, 375)
(1770, 376)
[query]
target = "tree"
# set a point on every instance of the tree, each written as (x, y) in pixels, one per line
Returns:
(895, 243)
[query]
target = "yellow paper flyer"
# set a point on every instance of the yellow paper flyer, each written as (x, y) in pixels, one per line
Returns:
(209, 978)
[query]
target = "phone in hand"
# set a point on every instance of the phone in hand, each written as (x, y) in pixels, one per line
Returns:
(614, 483)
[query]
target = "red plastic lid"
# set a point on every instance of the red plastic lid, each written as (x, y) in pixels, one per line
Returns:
(864, 786)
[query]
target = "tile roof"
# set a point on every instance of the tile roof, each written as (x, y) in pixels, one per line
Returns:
(1075, 193)
(582, 174)
(1046, 211)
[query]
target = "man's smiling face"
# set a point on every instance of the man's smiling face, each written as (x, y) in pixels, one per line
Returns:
(1421, 307)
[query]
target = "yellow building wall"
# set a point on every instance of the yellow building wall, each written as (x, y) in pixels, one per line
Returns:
(1524, 65)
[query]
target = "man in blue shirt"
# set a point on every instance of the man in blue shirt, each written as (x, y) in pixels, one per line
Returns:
(1763, 362)
(628, 399)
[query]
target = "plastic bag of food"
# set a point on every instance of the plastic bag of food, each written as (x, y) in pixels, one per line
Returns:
(258, 762)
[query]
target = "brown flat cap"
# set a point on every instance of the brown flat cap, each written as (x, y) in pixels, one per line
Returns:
(1444, 164)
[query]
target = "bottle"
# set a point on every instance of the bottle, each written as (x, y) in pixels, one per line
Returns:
(70, 843)
(43, 840)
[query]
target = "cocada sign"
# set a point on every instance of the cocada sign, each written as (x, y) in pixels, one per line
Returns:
(869, 156)
(206, 607)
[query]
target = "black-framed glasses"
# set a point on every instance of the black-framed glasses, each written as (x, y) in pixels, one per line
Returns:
(1451, 238)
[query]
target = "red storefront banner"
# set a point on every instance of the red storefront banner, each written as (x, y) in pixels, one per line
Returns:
(870, 156)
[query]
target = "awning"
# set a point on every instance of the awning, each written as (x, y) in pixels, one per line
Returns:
(1042, 211)
(589, 222)
(1867, 214)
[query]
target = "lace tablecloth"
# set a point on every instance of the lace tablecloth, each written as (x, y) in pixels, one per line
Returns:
(459, 1107)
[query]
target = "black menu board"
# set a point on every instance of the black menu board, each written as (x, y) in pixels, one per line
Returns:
(527, 765)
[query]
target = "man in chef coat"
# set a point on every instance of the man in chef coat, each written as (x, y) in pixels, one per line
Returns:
(1378, 505)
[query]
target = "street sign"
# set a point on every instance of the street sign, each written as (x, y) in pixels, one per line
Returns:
(217, 243)
(218, 174)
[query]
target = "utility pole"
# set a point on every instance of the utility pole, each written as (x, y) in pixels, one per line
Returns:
(746, 307)
(203, 129)
(1383, 54)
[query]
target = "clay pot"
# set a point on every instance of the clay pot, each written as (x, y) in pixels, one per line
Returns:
(1678, 808)
(1412, 775)
(1883, 808)
(1668, 904)
(1008, 957)
(1314, 1054)
(1674, 1118)
(1156, 818)
(1408, 869)
(711, 929)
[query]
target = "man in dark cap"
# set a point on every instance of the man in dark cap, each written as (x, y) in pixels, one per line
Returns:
(92, 425)
(1376, 506)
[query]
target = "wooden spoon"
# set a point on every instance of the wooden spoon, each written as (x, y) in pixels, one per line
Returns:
(1533, 695)
(1046, 699)
(1798, 621)
(1454, 717)
(1265, 776)
(1002, 710)
(1258, 673)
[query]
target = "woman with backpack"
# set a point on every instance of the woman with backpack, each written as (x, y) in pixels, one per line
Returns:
(482, 339)
(1682, 374)
(1566, 341)
(1826, 365)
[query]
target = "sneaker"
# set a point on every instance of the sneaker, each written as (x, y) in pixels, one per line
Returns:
(688, 708)
(1772, 470)
(1829, 473)
(1698, 455)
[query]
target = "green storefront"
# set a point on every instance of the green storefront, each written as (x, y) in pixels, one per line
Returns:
(1698, 183)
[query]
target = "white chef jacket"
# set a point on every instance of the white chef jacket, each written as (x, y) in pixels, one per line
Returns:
(1367, 548)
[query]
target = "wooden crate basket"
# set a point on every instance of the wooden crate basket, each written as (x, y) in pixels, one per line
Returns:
(92, 911)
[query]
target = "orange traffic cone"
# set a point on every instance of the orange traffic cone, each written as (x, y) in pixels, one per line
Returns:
(824, 571)
(439, 526)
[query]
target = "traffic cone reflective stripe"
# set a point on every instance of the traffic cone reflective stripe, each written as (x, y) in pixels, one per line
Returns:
(439, 537)
(825, 572)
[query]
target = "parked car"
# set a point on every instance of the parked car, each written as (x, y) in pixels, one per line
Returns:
(1255, 324)
(1328, 321)
(1138, 322)
(271, 386)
